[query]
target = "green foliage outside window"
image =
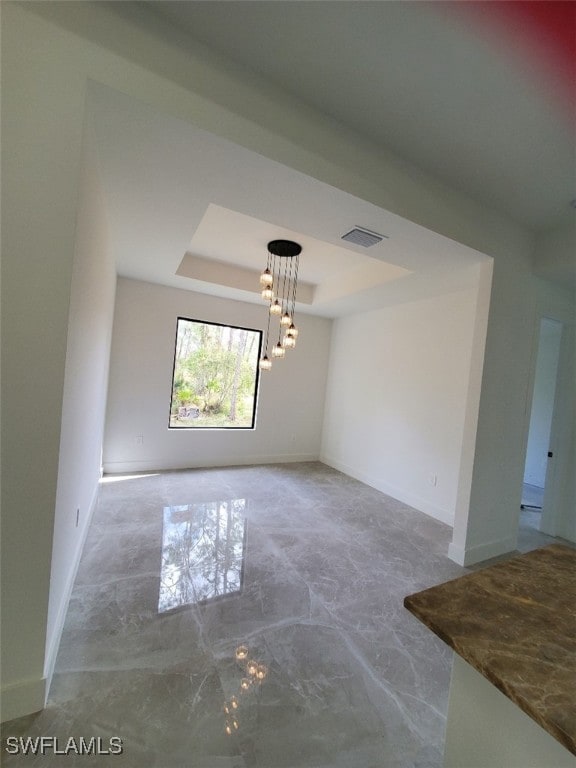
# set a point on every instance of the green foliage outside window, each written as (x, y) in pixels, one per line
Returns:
(215, 376)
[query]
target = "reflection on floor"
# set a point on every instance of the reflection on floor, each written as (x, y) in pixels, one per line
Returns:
(251, 617)
(202, 552)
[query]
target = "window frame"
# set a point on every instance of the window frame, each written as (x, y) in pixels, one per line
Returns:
(256, 376)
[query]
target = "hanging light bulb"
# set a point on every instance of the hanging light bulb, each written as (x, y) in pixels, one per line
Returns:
(268, 294)
(278, 350)
(252, 668)
(286, 319)
(265, 363)
(293, 331)
(266, 278)
(276, 308)
(288, 342)
(241, 652)
(245, 683)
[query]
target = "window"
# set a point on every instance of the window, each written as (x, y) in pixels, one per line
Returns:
(215, 376)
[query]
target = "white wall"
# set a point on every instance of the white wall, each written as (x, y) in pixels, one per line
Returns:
(59, 282)
(291, 395)
(396, 398)
(41, 142)
(559, 513)
(488, 526)
(555, 252)
(84, 400)
(561, 500)
(542, 403)
(557, 248)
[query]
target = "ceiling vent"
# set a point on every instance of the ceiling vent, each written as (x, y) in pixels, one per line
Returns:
(362, 237)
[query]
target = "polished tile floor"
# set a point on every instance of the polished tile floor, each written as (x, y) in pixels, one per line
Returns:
(251, 617)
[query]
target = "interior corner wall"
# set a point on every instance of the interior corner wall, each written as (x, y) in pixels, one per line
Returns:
(490, 525)
(290, 398)
(396, 399)
(42, 124)
(518, 302)
(85, 387)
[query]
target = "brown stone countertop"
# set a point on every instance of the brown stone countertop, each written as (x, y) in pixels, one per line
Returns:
(515, 622)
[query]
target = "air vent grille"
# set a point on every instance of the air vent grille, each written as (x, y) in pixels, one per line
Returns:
(362, 237)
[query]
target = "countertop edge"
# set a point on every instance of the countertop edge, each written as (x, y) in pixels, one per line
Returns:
(490, 603)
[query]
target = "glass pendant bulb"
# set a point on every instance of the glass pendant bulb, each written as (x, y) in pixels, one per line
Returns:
(278, 350)
(286, 319)
(265, 363)
(251, 668)
(276, 308)
(293, 331)
(288, 342)
(268, 294)
(266, 278)
(241, 652)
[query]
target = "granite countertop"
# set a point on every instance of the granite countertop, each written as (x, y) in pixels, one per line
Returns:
(515, 622)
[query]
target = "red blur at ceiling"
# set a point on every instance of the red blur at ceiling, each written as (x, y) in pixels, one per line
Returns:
(541, 34)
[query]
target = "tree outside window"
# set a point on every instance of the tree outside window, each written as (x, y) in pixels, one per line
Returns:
(215, 376)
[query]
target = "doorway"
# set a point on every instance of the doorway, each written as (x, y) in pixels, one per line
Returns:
(538, 451)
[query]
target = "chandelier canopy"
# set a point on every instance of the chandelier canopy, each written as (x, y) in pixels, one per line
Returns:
(279, 282)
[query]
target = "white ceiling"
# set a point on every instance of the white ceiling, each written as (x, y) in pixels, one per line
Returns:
(194, 211)
(191, 210)
(420, 78)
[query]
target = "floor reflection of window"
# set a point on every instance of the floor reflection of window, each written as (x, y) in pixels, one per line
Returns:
(202, 552)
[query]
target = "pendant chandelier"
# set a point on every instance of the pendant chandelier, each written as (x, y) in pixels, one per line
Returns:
(279, 282)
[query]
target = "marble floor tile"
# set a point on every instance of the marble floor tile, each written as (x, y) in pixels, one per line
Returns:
(302, 568)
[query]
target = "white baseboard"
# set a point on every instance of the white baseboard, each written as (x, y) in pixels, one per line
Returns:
(480, 552)
(155, 465)
(401, 494)
(19, 699)
(53, 643)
